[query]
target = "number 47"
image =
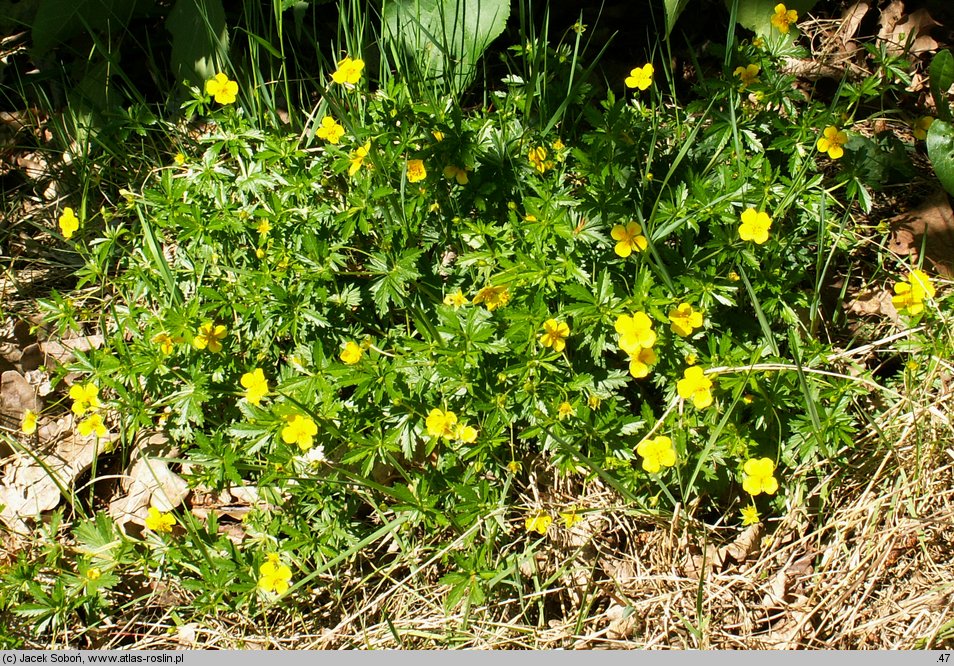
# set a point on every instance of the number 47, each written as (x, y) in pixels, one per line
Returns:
(944, 658)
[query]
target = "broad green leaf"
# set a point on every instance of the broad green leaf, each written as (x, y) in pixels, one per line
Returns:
(942, 76)
(58, 20)
(444, 39)
(673, 10)
(200, 40)
(940, 147)
(756, 15)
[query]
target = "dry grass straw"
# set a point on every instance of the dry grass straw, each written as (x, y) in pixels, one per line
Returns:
(863, 557)
(875, 569)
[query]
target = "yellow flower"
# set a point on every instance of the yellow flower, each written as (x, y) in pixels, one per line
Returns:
(68, 223)
(351, 353)
(28, 424)
(630, 238)
(492, 297)
(441, 424)
(593, 402)
(465, 433)
(555, 334)
(93, 574)
(209, 336)
(755, 226)
(557, 145)
(456, 300)
(640, 361)
(357, 158)
(921, 127)
(783, 18)
(255, 385)
(330, 130)
(571, 517)
(683, 320)
(565, 410)
(635, 332)
(691, 359)
(165, 342)
(921, 285)
(831, 142)
(455, 172)
(538, 158)
(348, 72)
(696, 386)
(657, 453)
(514, 467)
(92, 424)
(438, 135)
(179, 159)
(750, 515)
(157, 521)
(910, 295)
(640, 77)
(221, 88)
(264, 227)
(416, 171)
(748, 74)
(733, 276)
(538, 522)
(758, 476)
(300, 430)
(273, 575)
(85, 398)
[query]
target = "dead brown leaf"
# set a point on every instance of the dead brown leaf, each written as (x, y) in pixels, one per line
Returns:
(913, 34)
(890, 17)
(929, 226)
(623, 622)
(148, 482)
(745, 544)
(64, 351)
(32, 483)
(16, 396)
(875, 302)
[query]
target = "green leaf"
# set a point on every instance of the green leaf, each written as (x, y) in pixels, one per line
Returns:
(394, 278)
(444, 39)
(200, 40)
(673, 10)
(756, 15)
(58, 20)
(942, 76)
(940, 147)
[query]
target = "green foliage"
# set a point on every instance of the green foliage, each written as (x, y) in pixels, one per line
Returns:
(674, 9)
(58, 20)
(200, 40)
(942, 78)
(756, 15)
(444, 39)
(940, 147)
(401, 285)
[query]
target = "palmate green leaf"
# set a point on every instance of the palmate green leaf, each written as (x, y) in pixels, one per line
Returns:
(99, 537)
(940, 147)
(394, 277)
